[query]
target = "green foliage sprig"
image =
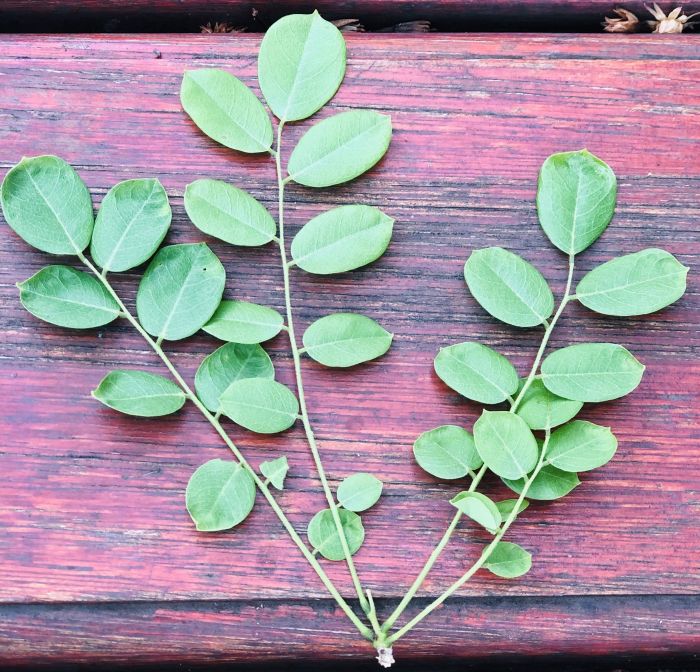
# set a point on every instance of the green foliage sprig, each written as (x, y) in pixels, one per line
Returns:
(301, 64)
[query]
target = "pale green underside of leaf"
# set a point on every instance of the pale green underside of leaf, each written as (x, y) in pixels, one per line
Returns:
(323, 534)
(243, 322)
(342, 239)
(224, 108)
(219, 495)
(260, 405)
(551, 483)
(479, 508)
(69, 298)
(47, 204)
(540, 408)
(180, 291)
(300, 65)
(446, 452)
(275, 471)
(359, 492)
(581, 446)
(345, 339)
(508, 287)
(507, 506)
(508, 560)
(131, 223)
(575, 199)
(592, 372)
(226, 365)
(636, 284)
(139, 393)
(228, 213)
(340, 148)
(505, 443)
(476, 372)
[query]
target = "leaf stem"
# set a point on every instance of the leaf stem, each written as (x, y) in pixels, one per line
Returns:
(300, 382)
(214, 421)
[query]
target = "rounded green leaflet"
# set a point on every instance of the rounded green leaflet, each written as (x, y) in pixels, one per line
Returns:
(576, 195)
(226, 365)
(301, 64)
(243, 322)
(508, 560)
(345, 339)
(139, 393)
(69, 298)
(228, 213)
(342, 239)
(479, 508)
(359, 491)
(323, 534)
(446, 452)
(477, 372)
(260, 405)
(224, 108)
(636, 284)
(540, 408)
(505, 443)
(180, 291)
(507, 506)
(551, 483)
(220, 495)
(581, 446)
(132, 221)
(275, 471)
(340, 148)
(508, 287)
(47, 204)
(592, 372)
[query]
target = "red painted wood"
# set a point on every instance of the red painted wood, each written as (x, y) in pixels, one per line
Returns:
(92, 508)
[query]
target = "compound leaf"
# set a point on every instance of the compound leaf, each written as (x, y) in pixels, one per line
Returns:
(479, 508)
(139, 393)
(323, 534)
(260, 405)
(540, 408)
(359, 492)
(446, 452)
(243, 322)
(581, 446)
(275, 471)
(508, 560)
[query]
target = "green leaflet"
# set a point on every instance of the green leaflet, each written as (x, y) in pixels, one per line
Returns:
(228, 213)
(139, 393)
(180, 291)
(260, 405)
(69, 298)
(301, 64)
(226, 365)
(592, 372)
(342, 239)
(581, 446)
(551, 483)
(131, 223)
(345, 339)
(508, 560)
(508, 287)
(359, 492)
(477, 372)
(323, 534)
(541, 409)
(47, 204)
(340, 148)
(243, 322)
(219, 495)
(275, 471)
(446, 452)
(224, 108)
(507, 506)
(505, 443)
(635, 284)
(479, 508)
(576, 196)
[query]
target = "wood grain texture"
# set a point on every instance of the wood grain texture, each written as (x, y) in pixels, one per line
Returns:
(92, 505)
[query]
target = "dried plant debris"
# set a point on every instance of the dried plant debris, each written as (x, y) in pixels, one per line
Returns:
(349, 25)
(221, 27)
(673, 22)
(408, 27)
(624, 22)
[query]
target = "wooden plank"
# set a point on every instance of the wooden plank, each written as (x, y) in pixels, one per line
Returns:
(92, 510)
(188, 15)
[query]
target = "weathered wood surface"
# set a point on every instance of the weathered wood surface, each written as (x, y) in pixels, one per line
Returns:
(188, 15)
(99, 558)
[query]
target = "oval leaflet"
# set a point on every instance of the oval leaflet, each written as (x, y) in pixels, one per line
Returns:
(260, 405)
(139, 393)
(446, 452)
(323, 534)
